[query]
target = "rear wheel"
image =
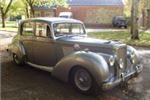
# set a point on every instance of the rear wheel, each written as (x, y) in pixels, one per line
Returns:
(17, 60)
(83, 81)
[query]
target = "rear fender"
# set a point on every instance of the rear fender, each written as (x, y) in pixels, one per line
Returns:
(18, 49)
(93, 62)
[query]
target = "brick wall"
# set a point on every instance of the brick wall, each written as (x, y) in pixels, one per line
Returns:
(94, 15)
(44, 13)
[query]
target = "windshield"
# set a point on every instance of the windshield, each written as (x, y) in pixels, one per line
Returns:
(68, 29)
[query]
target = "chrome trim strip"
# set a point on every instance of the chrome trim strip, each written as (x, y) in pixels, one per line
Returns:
(45, 68)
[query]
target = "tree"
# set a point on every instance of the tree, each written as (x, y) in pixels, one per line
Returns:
(48, 3)
(147, 8)
(4, 8)
(17, 8)
(31, 4)
(148, 18)
(134, 20)
(20, 7)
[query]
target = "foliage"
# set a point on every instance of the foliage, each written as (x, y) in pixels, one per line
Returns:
(50, 3)
(124, 37)
(128, 4)
(47, 3)
(5, 4)
(147, 4)
(25, 7)
(17, 8)
(4, 8)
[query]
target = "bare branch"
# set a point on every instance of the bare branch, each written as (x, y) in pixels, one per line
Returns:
(7, 8)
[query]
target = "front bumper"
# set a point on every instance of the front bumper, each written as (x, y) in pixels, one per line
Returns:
(123, 77)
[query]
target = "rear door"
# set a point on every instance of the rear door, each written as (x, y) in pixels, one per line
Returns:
(27, 33)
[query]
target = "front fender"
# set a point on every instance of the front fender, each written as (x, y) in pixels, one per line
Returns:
(130, 49)
(93, 62)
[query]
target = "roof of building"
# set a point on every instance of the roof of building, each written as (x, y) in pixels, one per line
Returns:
(43, 7)
(95, 2)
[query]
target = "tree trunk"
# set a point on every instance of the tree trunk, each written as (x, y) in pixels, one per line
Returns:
(32, 10)
(4, 13)
(148, 18)
(134, 24)
(143, 18)
(27, 11)
(3, 21)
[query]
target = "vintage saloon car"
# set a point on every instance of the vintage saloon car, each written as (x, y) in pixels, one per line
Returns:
(61, 46)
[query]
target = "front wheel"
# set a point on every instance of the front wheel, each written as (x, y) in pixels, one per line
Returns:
(83, 81)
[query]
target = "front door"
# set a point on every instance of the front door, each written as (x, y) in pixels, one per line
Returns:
(43, 45)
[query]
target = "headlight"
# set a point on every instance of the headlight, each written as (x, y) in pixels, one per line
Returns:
(111, 60)
(121, 64)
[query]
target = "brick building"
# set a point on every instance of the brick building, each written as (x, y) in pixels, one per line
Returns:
(94, 12)
(91, 12)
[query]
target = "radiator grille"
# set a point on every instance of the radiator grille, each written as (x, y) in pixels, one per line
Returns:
(122, 54)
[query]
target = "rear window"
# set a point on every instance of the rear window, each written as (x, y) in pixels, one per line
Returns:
(27, 29)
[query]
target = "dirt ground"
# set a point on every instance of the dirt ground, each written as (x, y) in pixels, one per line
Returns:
(28, 83)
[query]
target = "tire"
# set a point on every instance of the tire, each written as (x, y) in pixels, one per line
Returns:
(16, 60)
(125, 27)
(83, 81)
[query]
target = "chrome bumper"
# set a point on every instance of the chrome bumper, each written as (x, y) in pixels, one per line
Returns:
(123, 77)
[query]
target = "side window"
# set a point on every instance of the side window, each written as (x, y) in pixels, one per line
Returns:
(27, 29)
(42, 30)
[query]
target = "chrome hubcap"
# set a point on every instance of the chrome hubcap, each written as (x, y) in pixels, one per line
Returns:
(16, 59)
(83, 80)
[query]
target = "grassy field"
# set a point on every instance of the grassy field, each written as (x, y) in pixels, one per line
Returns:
(10, 29)
(10, 26)
(124, 37)
(9, 22)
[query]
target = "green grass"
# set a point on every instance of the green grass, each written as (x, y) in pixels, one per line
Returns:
(124, 37)
(9, 26)
(10, 29)
(9, 22)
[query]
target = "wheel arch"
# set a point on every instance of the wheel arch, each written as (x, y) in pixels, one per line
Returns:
(18, 49)
(94, 63)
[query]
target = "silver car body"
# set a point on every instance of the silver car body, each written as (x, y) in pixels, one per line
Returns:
(59, 55)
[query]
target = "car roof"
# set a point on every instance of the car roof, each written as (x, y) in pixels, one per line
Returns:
(54, 19)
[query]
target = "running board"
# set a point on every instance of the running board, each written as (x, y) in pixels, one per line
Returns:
(45, 68)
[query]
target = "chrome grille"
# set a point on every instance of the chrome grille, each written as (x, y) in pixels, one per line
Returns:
(122, 54)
